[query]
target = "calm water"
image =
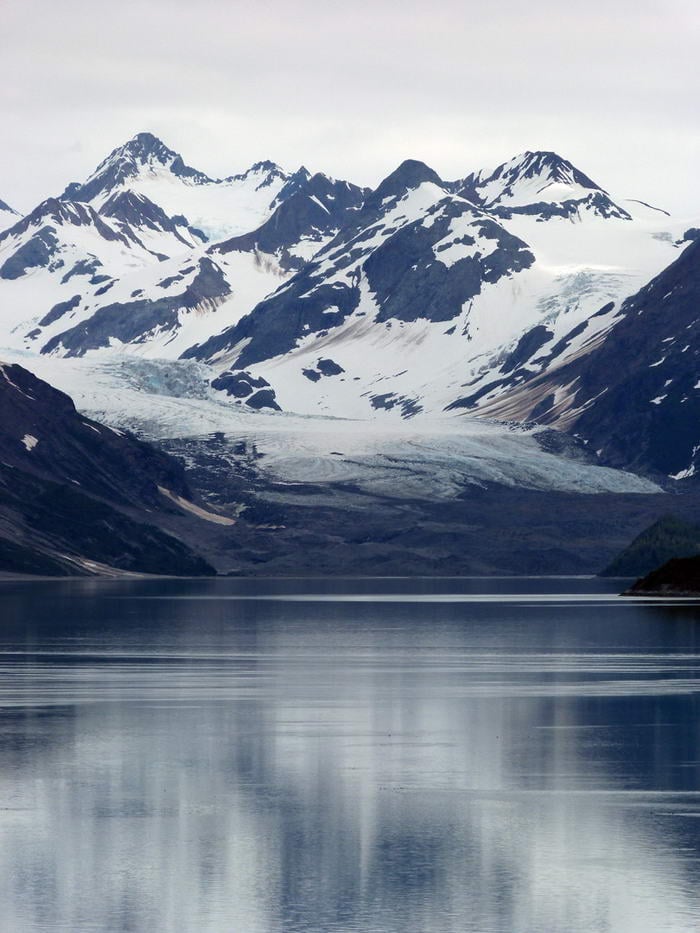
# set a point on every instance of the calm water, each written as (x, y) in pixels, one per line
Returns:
(494, 756)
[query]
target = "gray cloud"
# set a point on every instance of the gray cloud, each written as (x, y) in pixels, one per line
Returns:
(353, 89)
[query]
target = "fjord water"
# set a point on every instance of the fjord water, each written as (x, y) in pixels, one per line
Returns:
(496, 756)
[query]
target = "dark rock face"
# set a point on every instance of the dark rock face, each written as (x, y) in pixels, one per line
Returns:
(71, 448)
(138, 319)
(257, 392)
(276, 323)
(529, 344)
(35, 253)
(564, 445)
(329, 368)
(597, 203)
(58, 310)
(72, 490)
(104, 289)
(310, 209)
(55, 529)
(293, 182)
(410, 283)
(54, 213)
(85, 267)
(670, 537)
(323, 368)
(136, 210)
(388, 400)
(678, 577)
(409, 175)
(263, 398)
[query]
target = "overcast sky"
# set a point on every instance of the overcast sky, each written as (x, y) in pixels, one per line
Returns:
(354, 88)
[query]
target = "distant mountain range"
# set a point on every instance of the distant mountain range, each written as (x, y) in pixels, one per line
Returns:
(525, 292)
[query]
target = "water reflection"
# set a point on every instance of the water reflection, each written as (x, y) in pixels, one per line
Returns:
(221, 764)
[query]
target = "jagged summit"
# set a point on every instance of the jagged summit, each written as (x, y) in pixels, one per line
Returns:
(541, 183)
(261, 174)
(409, 175)
(142, 147)
(550, 167)
(145, 149)
(266, 166)
(530, 173)
(310, 210)
(146, 154)
(220, 207)
(143, 153)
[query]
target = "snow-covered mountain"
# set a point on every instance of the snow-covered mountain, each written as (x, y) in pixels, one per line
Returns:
(320, 297)
(220, 207)
(63, 259)
(304, 221)
(414, 257)
(426, 300)
(116, 262)
(195, 290)
(541, 184)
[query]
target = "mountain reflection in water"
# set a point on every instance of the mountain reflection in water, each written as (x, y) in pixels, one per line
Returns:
(176, 758)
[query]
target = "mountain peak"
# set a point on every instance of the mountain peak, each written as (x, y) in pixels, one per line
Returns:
(146, 149)
(144, 152)
(545, 165)
(541, 183)
(412, 173)
(409, 175)
(265, 165)
(146, 139)
(141, 149)
(266, 168)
